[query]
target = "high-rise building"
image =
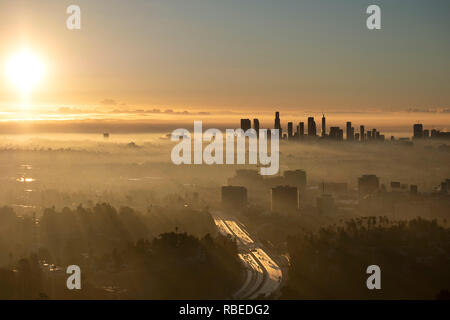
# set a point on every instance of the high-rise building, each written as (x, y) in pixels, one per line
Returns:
(234, 197)
(302, 129)
(284, 200)
(311, 127)
(349, 130)
(256, 126)
(361, 133)
(334, 133)
(278, 123)
(324, 126)
(418, 131)
(246, 124)
(426, 133)
(290, 130)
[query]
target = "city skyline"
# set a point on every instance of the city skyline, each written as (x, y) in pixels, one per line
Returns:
(336, 133)
(221, 155)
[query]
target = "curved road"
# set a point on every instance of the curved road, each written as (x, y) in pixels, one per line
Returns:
(263, 275)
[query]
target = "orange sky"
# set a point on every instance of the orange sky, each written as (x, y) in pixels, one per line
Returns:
(218, 57)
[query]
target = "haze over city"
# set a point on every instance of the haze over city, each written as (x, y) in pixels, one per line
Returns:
(88, 182)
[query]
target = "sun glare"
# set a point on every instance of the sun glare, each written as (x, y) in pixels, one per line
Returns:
(24, 70)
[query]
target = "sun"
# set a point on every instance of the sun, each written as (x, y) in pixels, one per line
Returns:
(24, 70)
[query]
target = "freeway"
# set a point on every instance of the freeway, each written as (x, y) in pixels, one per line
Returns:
(263, 275)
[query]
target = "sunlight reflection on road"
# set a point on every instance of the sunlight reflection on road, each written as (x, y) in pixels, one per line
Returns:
(255, 259)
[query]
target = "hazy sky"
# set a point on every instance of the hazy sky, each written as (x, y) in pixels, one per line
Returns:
(238, 55)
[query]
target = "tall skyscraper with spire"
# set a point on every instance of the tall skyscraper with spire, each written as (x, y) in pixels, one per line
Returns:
(324, 127)
(278, 123)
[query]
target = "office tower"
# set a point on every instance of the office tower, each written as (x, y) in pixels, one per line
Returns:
(334, 133)
(374, 134)
(418, 131)
(302, 129)
(278, 123)
(311, 127)
(349, 130)
(341, 134)
(426, 133)
(284, 199)
(234, 197)
(356, 136)
(324, 127)
(368, 184)
(369, 135)
(325, 204)
(256, 126)
(246, 124)
(361, 133)
(295, 178)
(290, 130)
(352, 133)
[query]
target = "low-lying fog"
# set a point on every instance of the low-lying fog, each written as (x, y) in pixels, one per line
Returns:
(68, 169)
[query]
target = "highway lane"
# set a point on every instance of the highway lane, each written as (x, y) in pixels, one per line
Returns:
(242, 236)
(254, 273)
(254, 279)
(273, 274)
(263, 275)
